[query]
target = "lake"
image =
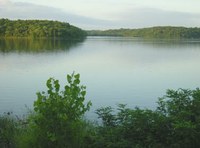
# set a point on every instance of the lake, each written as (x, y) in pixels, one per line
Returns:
(116, 70)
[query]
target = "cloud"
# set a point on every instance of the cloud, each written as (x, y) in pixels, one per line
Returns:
(146, 17)
(4, 2)
(130, 18)
(21, 10)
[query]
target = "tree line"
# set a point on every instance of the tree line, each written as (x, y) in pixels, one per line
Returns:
(152, 32)
(57, 121)
(56, 29)
(39, 29)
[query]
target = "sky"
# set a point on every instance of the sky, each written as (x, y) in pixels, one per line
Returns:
(106, 14)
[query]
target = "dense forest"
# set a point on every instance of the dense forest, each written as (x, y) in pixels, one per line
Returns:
(153, 32)
(39, 29)
(55, 29)
(58, 121)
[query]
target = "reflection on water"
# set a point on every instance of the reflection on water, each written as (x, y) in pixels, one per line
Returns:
(35, 46)
(163, 43)
(170, 44)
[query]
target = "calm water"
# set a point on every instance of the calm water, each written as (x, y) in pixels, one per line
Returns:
(114, 69)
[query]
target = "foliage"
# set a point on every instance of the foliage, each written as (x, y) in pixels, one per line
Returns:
(7, 131)
(182, 108)
(130, 128)
(175, 123)
(58, 113)
(58, 122)
(39, 29)
(153, 32)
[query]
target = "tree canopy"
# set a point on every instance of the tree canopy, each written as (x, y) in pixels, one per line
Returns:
(152, 32)
(39, 29)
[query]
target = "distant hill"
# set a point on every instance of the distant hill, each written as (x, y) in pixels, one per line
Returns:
(39, 29)
(153, 32)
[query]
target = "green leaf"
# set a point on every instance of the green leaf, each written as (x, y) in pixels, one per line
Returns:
(76, 81)
(49, 85)
(69, 78)
(77, 76)
(83, 93)
(57, 85)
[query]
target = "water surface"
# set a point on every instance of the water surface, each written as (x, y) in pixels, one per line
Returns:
(115, 70)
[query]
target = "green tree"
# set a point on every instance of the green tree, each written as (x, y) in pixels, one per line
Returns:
(182, 108)
(59, 113)
(175, 123)
(39, 29)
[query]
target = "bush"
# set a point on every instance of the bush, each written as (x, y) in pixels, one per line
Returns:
(130, 128)
(8, 128)
(58, 122)
(58, 114)
(182, 108)
(175, 123)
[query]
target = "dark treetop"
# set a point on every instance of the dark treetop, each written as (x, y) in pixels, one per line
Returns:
(39, 29)
(153, 32)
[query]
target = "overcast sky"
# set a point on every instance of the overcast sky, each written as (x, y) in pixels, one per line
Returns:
(105, 14)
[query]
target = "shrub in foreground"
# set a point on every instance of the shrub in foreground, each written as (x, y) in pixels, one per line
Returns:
(175, 123)
(58, 114)
(8, 129)
(57, 122)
